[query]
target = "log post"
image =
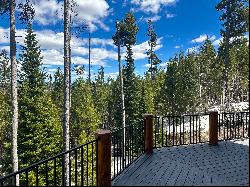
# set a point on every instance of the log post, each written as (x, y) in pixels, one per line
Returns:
(148, 134)
(213, 128)
(103, 158)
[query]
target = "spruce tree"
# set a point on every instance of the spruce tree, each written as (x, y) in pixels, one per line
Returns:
(57, 91)
(235, 25)
(130, 80)
(153, 61)
(152, 57)
(206, 58)
(5, 113)
(118, 39)
(5, 72)
(101, 96)
(40, 132)
(168, 90)
(84, 116)
(114, 105)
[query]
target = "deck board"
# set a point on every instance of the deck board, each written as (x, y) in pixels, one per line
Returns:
(196, 165)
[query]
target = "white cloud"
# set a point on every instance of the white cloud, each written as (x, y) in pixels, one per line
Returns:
(111, 75)
(139, 51)
(164, 64)
(4, 35)
(152, 6)
(202, 38)
(217, 42)
(168, 16)
(52, 48)
(52, 57)
(177, 47)
(49, 39)
(6, 48)
(79, 56)
(147, 65)
(153, 18)
(91, 12)
(192, 49)
(46, 12)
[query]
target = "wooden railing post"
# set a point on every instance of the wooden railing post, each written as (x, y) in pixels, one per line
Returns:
(213, 128)
(103, 158)
(148, 135)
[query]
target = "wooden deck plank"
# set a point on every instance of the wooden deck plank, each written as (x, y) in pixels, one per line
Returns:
(175, 175)
(130, 170)
(200, 164)
(181, 178)
(166, 175)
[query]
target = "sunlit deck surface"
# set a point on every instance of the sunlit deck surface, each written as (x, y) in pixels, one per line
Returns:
(200, 164)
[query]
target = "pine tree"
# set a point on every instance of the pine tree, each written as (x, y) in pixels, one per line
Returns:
(153, 61)
(235, 25)
(57, 91)
(152, 57)
(206, 57)
(5, 112)
(243, 69)
(148, 93)
(114, 105)
(239, 65)
(118, 39)
(131, 91)
(168, 90)
(84, 116)
(159, 82)
(190, 83)
(101, 96)
(40, 131)
(5, 72)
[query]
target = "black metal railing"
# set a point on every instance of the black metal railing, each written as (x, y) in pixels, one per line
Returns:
(82, 169)
(180, 130)
(127, 146)
(233, 125)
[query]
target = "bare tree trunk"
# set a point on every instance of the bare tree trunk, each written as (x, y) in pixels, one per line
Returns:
(121, 89)
(226, 94)
(14, 89)
(66, 89)
(89, 58)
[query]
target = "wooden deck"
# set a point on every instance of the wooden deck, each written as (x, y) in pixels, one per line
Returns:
(225, 165)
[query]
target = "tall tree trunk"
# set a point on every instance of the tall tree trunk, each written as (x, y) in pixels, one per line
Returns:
(121, 88)
(89, 58)
(227, 40)
(226, 93)
(14, 89)
(66, 89)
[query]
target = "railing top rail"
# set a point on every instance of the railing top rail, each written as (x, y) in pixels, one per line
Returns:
(199, 114)
(166, 116)
(245, 112)
(46, 160)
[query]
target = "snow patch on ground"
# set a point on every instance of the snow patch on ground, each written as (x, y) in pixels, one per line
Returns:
(234, 107)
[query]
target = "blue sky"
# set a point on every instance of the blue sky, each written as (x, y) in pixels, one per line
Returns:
(179, 24)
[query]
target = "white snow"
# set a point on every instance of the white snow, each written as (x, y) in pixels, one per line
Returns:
(234, 107)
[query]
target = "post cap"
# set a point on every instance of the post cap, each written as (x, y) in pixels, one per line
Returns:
(102, 133)
(212, 112)
(148, 115)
